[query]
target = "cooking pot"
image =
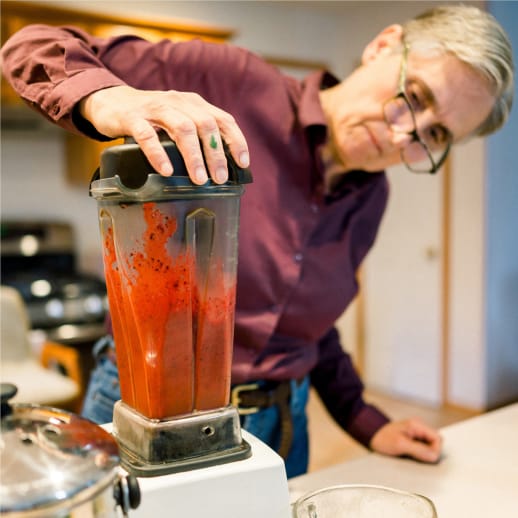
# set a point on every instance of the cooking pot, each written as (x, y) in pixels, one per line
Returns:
(54, 463)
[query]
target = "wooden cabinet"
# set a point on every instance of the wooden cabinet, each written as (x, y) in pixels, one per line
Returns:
(82, 154)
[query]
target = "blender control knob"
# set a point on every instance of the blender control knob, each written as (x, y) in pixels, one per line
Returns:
(126, 493)
(134, 491)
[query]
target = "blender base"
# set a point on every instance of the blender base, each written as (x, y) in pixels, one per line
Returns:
(255, 487)
(153, 447)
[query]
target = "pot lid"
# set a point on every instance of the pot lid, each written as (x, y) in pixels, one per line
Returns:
(50, 457)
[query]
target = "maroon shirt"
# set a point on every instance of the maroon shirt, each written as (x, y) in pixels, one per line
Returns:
(298, 249)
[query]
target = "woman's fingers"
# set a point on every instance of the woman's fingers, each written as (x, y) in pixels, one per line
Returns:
(197, 127)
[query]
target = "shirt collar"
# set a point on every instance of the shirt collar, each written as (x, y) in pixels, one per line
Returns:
(310, 109)
(312, 119)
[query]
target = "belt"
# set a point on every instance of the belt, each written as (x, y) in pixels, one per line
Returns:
(250, 398)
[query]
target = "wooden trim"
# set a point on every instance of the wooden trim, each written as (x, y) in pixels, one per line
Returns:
(445, 280)
(287, 62)
(57, 15)
(460, 409)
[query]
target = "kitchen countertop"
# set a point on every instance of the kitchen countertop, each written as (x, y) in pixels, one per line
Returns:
(477, 476)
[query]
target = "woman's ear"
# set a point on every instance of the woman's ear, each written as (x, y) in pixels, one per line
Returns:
(383, 43)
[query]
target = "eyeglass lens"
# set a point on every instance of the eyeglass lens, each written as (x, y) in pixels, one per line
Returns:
(423, 153)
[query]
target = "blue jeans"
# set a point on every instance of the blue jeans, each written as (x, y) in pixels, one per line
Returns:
(103, 391)
(103, 388)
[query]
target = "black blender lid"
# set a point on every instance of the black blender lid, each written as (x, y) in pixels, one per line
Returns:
(131, 165)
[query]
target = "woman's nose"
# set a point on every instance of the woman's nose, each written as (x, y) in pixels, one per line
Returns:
(424, 121)
(401, 140)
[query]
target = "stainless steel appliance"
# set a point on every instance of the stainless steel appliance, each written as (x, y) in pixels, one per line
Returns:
(54, 464)
(64, 304)
(39, 260)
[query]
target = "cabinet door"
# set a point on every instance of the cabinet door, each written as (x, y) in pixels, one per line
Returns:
(402, 286)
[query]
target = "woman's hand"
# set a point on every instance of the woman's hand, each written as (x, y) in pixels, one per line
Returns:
(410, 437)
(188, 119)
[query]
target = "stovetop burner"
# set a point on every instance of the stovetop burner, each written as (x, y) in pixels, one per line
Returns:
(54, 299)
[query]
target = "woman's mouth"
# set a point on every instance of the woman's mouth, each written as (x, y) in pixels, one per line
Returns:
(373, 139)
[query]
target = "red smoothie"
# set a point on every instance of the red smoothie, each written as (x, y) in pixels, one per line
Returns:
(173, 344)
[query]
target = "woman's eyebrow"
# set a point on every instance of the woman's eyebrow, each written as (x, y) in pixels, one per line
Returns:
(426, 91)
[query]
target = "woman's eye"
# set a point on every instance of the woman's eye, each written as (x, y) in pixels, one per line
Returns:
(437, 136)
(416, 98)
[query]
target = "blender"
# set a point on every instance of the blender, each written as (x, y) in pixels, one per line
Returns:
(170, 261)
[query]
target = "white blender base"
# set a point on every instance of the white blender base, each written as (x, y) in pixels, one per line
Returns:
(256, 487)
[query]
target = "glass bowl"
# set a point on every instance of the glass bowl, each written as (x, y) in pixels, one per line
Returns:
(363, 501)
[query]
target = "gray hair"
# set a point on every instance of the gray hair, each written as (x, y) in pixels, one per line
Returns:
(476, 38)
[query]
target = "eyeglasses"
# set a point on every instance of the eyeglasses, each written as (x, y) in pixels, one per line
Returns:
(428, 149)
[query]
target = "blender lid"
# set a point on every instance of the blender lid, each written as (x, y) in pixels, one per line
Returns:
(128, 162)
(50, 457)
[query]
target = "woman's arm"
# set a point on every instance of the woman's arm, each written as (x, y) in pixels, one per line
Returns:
(108, 88)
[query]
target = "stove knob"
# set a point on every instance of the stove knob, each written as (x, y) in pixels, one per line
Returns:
(93, 305)
(55, 308)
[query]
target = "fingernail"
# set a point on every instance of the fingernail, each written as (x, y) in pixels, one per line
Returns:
(433, 457)
(221, 175)
(200, 175)
(166, 169)
(244, 159)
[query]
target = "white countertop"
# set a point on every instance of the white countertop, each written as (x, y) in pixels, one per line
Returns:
(476, 478)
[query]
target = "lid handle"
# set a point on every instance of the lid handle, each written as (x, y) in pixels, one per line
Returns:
(131, 165)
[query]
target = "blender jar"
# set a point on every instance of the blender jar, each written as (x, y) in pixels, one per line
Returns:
(170, 259)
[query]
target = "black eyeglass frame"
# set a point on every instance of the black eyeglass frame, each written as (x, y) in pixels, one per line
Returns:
(401, 94)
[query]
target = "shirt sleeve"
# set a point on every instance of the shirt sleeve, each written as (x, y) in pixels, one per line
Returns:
(53, 68)
(341, 390)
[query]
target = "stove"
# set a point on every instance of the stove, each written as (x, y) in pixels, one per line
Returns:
(39, 260)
